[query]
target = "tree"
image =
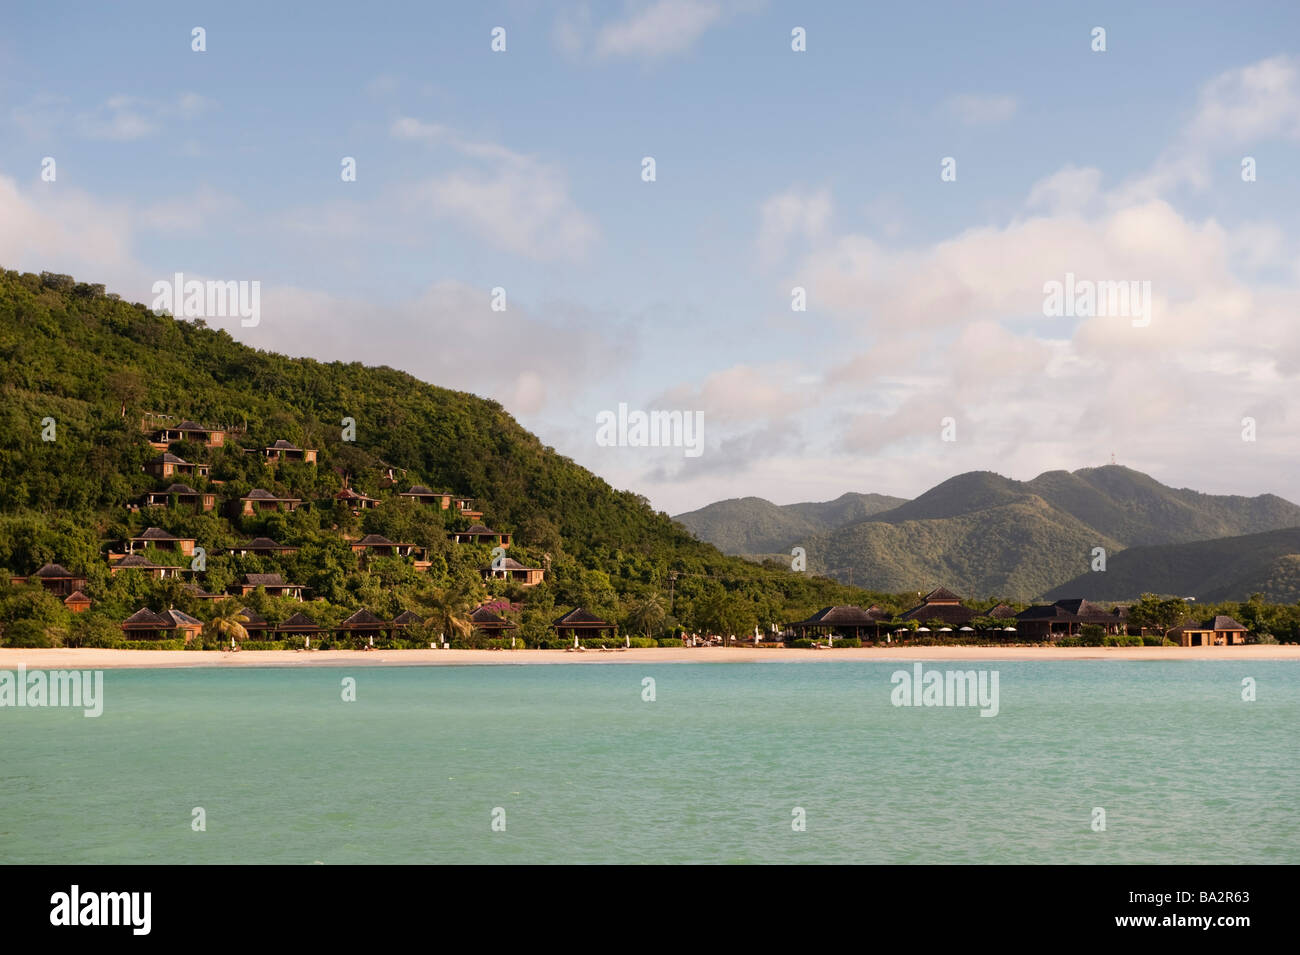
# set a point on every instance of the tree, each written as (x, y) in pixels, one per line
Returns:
(450, 612)
(1158, 613)
(647, 615)
(227, 622)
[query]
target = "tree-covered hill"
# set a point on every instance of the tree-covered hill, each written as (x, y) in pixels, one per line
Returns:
(84, 369)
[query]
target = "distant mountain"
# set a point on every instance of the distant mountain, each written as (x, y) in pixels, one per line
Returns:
(752, 525)
(982, 534)
(1229, 568)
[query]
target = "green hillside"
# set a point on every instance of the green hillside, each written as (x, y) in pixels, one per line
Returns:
(983, 534)
(1230, 568)
(92, 366)
(754, 526)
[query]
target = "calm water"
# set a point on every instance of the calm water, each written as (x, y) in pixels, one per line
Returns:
(709, 772)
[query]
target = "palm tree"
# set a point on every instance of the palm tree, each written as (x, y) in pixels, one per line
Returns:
(647, 614)
(227, 622)
(451, 609)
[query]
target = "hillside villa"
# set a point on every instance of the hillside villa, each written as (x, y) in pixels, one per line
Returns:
(262, 547)
(169, 465)
(54, 578)
(510, 569)
(145, 565)
(163, 438)
(478, 534)
(274, 584)
(159, 539)
(181, 495)
(259, 500)
(284, 451)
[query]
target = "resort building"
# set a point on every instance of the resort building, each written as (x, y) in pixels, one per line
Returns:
(145, 565)
(404, 621)
(76, 601)
(1220, 632)
(478, 534)
(1066, 618)
(299, 625)
(363, 624)
(1002, 612)
(169, 465)
(941, 606)
(262, 547)
(422, 494)
(144, 624)
(198, 593)
(259, 500)
(579, 623)
(160, 539)
(492, 624)
(54, 578)
(275, 585)
(380, 546)
(162, 438)
(181, 495)
(357, 501)
(510, 569)
(284, 451)
(842, 621)
(255, 625)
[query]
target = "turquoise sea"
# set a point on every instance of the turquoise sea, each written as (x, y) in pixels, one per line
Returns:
(710, 771)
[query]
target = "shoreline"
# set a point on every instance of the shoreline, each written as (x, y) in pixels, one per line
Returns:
(64, 658)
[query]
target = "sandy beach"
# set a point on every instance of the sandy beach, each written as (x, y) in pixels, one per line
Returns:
(94, 659)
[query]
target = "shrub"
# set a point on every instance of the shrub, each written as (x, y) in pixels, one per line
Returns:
(1123, 640)
(1092, 635)
(1154, 640)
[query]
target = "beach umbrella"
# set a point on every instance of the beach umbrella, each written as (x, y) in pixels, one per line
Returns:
(922, 629)
(512, 642)
(627, 640)
(372, 639)
(968, 629)
(309, 643)
(575, 640)
(1009, 629)
(945, 629)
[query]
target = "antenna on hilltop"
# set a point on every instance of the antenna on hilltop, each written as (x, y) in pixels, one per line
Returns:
(1112, 457)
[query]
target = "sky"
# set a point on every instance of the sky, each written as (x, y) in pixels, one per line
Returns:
(922, 172)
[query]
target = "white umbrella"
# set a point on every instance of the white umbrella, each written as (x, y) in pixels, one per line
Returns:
(1009, 629)
(945, 629)
(372, 639)
(922, 629)
(575, 641)
(971, 629)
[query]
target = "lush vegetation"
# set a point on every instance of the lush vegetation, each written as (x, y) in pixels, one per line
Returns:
(980, 533)
(84, 369)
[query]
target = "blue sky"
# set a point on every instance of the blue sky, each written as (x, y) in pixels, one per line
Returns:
(775, 169)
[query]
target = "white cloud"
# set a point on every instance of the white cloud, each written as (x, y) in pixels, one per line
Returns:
(511, 200)
(789, 215)
(975, 109)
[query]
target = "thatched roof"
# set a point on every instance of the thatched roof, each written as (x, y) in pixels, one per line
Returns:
(580, 617)
(53, 572)
(145, 619)
(362, 619)
(841, 616)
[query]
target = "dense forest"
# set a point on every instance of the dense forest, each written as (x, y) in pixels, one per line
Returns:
(80, 370)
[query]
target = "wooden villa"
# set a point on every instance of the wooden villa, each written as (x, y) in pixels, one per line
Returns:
(198, 593)
(299, 625)
(77, 602)
(144, 624)
(423, 495)
(260, 500)
(580, 623)
(1221, 631)
(262, 547)
(163, 438)
(363, 624)
(943, 606)
(168, 465)
(160, 539)
(255, 625)
(380, 546)
(181, 495)
(511, 570)
(274, 584)
(404, 621)
(54, 578)
(286, 452)
(357, 501)
(478, 534)
(1066, 618)
(144, 565)
(842, 621)
(491, 624)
